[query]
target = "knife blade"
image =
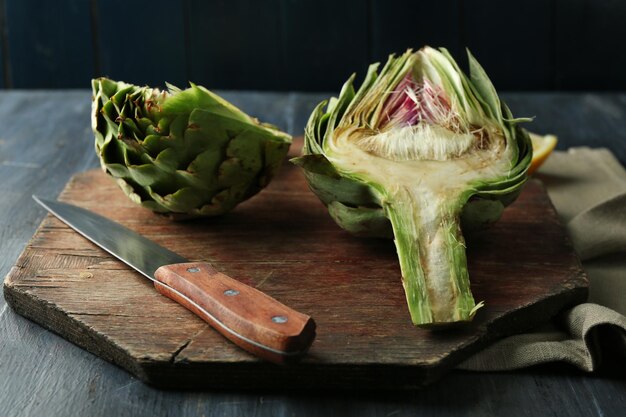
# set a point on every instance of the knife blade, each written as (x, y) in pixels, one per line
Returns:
(246, 316)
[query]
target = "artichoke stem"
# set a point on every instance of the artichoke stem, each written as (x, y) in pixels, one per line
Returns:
(431, 251)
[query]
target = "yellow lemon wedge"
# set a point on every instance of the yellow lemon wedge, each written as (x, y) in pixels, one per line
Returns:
(542, 148)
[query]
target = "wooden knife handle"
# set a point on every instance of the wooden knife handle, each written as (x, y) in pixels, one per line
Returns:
(249, 318)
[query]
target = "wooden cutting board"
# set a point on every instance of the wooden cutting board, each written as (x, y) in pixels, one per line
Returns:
(284, 243)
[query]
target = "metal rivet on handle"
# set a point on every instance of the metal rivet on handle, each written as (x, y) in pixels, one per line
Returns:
(279, 319)
(194, 269)
(231, 293)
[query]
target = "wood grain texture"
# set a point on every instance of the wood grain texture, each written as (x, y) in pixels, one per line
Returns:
(43, 374)
(284, 243)
(244, 315)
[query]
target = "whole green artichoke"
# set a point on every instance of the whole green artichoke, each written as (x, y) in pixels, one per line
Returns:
(186, 153)
(417, 151)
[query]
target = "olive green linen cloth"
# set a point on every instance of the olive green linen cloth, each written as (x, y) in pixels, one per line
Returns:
(588, 189)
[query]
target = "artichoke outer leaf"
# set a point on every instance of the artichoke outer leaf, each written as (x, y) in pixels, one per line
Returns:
(248, 150)
(274, 154)
(317, 164)
(317, 124)
(104, 87)
(117, 170)
(370, 78)
(178, 126)
(179, 201)
(154, 144)
(511, 195)
(167, 160)
(231, 173)
(205, 165)
(195, 97)
(130, 191)
(479, 213)
(343, 189)
(361, 221)
(147, 175)
(484, 86)
(221, 203)
(345, 96)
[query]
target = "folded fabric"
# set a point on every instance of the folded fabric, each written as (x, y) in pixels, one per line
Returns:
(588, 190)
(600, 230)
(579, 343)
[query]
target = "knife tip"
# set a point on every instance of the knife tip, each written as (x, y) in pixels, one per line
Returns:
(41, 201)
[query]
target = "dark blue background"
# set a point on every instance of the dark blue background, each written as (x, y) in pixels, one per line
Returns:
(306, 45)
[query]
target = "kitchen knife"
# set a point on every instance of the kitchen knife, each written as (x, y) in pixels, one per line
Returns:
(249, 318)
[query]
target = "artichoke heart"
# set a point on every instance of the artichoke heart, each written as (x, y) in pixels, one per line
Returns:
(419, 152)
(187, 153)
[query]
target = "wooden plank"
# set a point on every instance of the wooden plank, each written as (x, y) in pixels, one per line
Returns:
(235, 44)
(513, 42)
(324, 42)
(284, 243)
(401, 24)
(49, 43)
(142, 42)
(590, 42)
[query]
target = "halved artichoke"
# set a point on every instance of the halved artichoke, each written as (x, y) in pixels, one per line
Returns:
(417, 151)
(186, 153)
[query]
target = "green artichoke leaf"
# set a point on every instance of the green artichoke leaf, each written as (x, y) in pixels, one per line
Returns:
(166, 161)
(481, 212)
(187, 153)
(248, 150)
(361, 221)
(105, 88)
(179, 200)
(273, 157)
(485, 88)
(330, 189)
(340, 105)
(316, 163)
(313, 130)
(118, 170)
(197, 97)
(146, 175)
(419, 152)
